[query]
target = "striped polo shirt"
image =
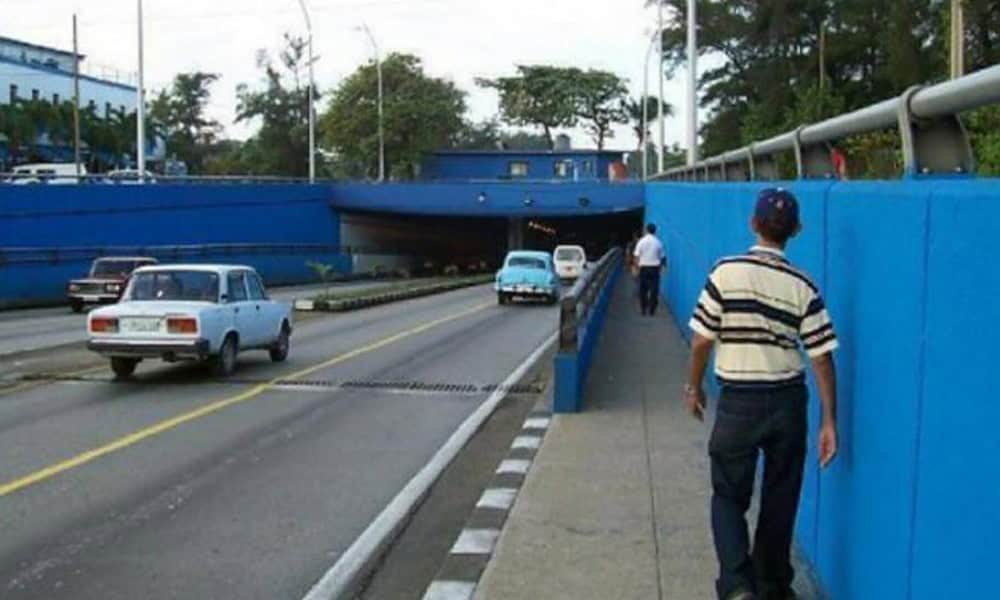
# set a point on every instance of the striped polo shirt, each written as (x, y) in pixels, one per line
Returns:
(758, 308)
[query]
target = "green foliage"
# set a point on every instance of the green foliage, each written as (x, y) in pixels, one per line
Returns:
(281, 144)
(539, 95)
(488, 135)
(190, 134)
(601, 102)
(654, 110)
(984, 128)
(421, 114)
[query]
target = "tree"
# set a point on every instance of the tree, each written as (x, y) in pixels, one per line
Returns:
(632, 107)
(539, 95)
(181, 110)
(280, 146)
(421, 114)
(600, 102)
(488, 135)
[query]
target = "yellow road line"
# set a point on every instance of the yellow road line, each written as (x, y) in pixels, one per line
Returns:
(27, 385)
(162, 426)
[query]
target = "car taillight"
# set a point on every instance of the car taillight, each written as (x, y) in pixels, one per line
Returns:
(182, 325)
(103, 325)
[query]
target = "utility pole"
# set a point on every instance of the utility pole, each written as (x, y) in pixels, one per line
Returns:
(663, 123)
(76, 100)
(692, 52)
(381, 126)
(957, 39)
(140, 118)
(822, 56)
(312, 84)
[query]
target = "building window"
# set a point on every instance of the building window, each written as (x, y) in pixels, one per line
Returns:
(13, 93)
(518, 168)
(34, 95)
(588, 168)
(55, 99)
(564, 168)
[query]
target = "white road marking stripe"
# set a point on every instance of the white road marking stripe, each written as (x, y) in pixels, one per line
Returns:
(501, 498)
(527, 441)
(514, 466)
(537, 423)
(476, 541)
(450, 590)
(340, 578)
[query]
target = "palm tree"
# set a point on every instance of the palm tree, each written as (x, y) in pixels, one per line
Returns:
(654, 109)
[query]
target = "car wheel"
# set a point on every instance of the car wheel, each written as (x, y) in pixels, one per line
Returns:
(224, 364)
(279, 351)
(123, 367)
(76, 305)
(502, 298)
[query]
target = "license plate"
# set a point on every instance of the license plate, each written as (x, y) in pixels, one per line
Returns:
(89, 298)
(140, 325)
(523, 288)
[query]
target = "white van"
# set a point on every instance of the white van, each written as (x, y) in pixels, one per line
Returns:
(51, 173)
(570, 261)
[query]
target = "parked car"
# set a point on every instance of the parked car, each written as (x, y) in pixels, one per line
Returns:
(570, 261)
(207, 313)
(105, 282)
(50, 173)
(527, 274)
(128, 177)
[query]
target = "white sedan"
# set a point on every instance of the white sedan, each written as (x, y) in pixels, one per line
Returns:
(570, 262)
(190, 312)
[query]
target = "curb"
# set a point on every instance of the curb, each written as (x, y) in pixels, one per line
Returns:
(473, 549)
(347, 574)
(376, 299)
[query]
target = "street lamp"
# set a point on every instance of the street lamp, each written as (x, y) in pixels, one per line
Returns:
(140, 117)
(662, 76)
(381, 131)
(692, 52)
(645, 106)
(312, 84)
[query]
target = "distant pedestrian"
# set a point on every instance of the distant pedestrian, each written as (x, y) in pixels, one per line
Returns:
(755, 309)
(650, 260)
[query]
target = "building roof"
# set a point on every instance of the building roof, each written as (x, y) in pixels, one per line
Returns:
(498, 152)
(7, 40)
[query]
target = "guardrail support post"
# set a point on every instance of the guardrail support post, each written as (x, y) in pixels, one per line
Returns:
(938, 146)
(813, 161)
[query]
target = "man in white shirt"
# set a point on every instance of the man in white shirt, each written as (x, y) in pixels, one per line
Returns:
(649, 257)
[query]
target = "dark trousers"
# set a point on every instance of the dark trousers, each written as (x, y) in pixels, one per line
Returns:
(649, 289)
(747, 424)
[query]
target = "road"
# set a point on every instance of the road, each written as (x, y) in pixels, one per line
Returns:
(33, 329)
(176, 485)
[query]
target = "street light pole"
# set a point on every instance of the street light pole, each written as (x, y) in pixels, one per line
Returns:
(957, 62)
(312, 84)
(692, 52)
(140, 118)
(663, 123)
(381, 127)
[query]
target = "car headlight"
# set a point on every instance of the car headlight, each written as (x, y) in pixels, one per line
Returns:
(73, 287)
(113, 287)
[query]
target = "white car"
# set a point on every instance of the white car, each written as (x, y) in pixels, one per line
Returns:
(190, 312)
(51, 173)
(570, 261)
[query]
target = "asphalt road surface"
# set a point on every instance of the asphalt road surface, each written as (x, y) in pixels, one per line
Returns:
(33, 329)
(178, 485)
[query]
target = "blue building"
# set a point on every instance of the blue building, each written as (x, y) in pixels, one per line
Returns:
(525, 165)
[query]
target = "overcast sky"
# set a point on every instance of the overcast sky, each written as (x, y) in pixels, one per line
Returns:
(457, 39)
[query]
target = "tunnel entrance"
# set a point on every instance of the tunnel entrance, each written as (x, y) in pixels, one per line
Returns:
(419, 244)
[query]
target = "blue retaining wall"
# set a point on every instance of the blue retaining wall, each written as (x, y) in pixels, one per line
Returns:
(908, 510)
(132, 215)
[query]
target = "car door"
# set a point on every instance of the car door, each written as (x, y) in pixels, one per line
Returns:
(238, 304)
(268, 313)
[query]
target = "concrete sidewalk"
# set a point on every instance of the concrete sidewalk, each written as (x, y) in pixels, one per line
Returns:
(616, 502)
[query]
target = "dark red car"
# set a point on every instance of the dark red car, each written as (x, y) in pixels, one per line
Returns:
(107, 280)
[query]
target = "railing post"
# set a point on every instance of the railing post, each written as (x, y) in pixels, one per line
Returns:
(934, 146)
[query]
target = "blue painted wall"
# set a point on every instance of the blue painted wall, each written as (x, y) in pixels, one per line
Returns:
(499, 199)
(129, 215)
(908, 510)
(466, 165)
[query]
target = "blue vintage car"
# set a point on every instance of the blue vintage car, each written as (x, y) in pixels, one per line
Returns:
(527, 274)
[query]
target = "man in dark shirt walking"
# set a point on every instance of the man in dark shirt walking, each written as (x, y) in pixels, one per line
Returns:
(754, 310)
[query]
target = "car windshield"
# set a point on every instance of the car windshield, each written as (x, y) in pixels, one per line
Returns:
(175, 285)
(114, 268)
(569, 254)
(526, 262)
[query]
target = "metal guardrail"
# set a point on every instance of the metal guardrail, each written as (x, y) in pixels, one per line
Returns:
(933, 138)
(102, 179)
(576, 304)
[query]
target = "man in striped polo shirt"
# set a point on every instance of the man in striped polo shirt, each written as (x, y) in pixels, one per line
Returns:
(754, 310)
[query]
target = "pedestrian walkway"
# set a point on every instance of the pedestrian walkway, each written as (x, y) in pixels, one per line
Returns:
(616, 502)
